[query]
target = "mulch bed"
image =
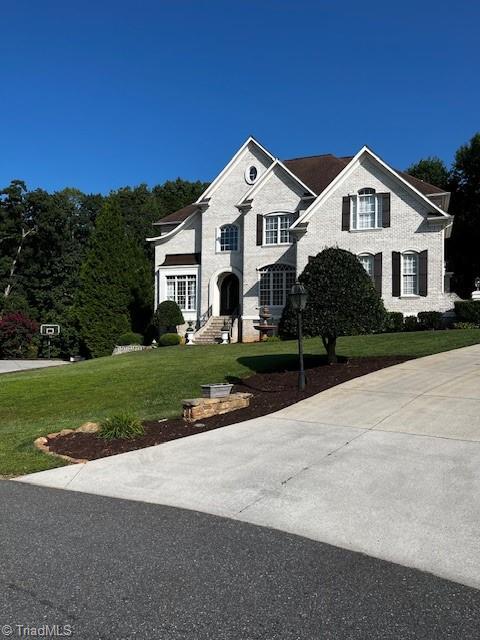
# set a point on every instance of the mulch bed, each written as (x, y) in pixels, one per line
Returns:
(271, 391)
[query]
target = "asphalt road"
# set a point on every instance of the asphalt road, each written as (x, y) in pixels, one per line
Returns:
(117, 569)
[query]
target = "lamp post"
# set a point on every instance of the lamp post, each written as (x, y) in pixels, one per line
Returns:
(298, 300)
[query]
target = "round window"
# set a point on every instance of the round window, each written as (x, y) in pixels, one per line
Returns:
(251, 174)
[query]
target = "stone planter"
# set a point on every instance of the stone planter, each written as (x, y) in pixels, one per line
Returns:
(218, 390)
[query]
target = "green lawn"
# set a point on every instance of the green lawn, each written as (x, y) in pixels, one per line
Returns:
(153, 383)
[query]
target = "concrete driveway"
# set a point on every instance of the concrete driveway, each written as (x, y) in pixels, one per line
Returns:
(387, 464)
(9, 366)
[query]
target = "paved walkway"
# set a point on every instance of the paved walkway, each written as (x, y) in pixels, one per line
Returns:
(387, 464)
(8, 366)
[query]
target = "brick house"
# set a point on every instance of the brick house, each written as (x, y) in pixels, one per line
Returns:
(242, 244)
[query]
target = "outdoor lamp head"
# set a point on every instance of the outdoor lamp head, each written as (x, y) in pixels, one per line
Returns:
(298, 297)
(477, 283)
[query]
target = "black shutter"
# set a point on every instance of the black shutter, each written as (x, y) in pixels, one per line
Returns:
(346, 213)
(259, 230)
(377, 272)
(385, 209)
(396, 274)
(423, 273)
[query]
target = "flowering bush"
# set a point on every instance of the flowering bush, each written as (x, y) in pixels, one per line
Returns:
(16, 335)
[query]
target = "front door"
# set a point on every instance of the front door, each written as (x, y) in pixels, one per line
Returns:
(229, 295)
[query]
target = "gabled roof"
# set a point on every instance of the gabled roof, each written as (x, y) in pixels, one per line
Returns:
(402, 177)
(317, 172)
(314, 172)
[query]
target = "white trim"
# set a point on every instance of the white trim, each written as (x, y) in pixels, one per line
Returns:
(214, 291)
(161, 286)
(344, 173)
(226, 170)
(275, 214)
(218, 232)
(170, 234)
(410, 252)
(247, 177)
(265, 176)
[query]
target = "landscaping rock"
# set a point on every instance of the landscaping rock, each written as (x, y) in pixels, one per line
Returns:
(200, 408)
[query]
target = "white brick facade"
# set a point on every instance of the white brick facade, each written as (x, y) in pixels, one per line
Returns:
(415, 225)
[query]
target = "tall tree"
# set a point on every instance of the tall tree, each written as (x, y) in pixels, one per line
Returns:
(432, 170)
(105, 291)
(17, 224)
(464, 249)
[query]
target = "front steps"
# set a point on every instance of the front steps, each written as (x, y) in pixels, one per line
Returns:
(211, 332)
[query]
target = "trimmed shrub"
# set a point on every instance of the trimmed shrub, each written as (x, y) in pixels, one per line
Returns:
(430, 320)
(129, 338)
(273, 339)
(168, 316)
(17, 333)
(464, 325)
(410, 323)
(170, 339)
(121, 425)
(394, 322)
(342, 299)
(468, 311)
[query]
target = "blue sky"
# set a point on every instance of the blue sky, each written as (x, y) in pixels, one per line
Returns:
(103, 94)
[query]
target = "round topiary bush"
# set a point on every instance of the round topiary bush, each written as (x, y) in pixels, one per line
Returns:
(121, 425)
(170, 339)
(129, 338)
(168, 316)
(342, 299)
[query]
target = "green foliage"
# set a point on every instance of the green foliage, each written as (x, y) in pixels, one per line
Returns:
(428, 320)
(432, 170)
(410, 323)
(464, 325)
(273, 339)
(153, 383)
(468, 311)
(17, 333)
(169, 339)
(104, 293)
(463, 247)
(129, 338)
(393, 322)
(288, 325)
(168, 316)
(121, 425)
(341, 298)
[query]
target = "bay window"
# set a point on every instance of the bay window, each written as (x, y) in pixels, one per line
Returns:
(183, 291)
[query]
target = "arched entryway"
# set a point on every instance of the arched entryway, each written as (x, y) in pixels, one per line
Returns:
(229, 294)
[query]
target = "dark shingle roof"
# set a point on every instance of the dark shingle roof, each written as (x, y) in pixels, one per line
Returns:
(181, 259)
(316, 172)
(178, 216)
